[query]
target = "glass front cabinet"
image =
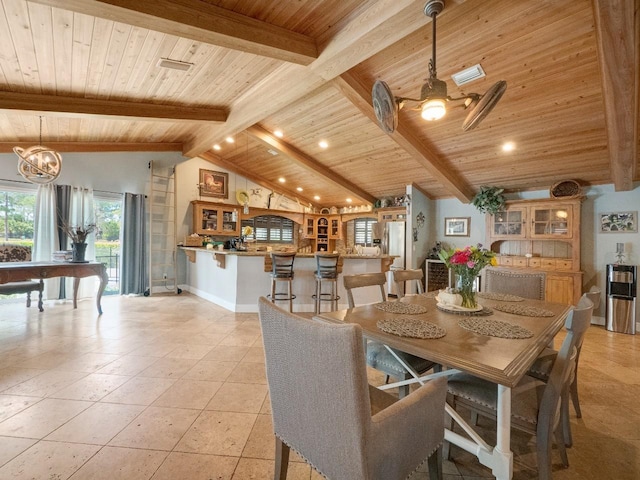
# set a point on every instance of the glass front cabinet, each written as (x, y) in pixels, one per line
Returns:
(215, 219)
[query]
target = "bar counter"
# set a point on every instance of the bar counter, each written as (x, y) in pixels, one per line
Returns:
(235, 279)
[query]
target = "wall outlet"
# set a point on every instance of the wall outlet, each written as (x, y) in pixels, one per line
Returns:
(164, 276)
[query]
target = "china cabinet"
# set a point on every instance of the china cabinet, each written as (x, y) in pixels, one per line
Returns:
(324, 229)
(541, 235)
(215, 218)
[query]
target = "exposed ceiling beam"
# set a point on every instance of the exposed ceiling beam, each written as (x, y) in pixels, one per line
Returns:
(349, 45)
(203, 22)
(617, 38)
(356, 93)
(93, 107)
(7, 147)
(216, 160)
(307, 162)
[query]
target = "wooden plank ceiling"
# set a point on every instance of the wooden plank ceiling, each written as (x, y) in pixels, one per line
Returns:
(89, 68)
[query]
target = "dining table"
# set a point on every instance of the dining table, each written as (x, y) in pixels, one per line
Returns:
(464, 341)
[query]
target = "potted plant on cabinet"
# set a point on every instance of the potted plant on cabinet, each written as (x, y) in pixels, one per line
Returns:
(489, 200)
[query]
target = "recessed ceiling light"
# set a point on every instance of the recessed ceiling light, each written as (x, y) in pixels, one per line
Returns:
(323, 144)
(272, 151)
(281, 180)
(229, 140)
(217, 147)
(508, 147)
(349, 200)
(278, 133)
(299, 189)
(316, 197)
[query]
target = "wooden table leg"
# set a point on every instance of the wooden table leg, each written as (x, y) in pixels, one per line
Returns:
(104, 279)
(76, 284)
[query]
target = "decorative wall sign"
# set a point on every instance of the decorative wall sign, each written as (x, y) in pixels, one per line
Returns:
(619, 222)
(456, 227)
(214, 184)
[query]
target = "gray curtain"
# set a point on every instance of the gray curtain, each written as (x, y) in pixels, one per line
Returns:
(63, 202)
(134, 250)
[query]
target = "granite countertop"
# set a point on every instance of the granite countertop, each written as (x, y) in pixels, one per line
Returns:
(262, 254)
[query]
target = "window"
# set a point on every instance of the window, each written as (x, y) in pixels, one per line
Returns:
(270, 229)
(108, 212)
(363, 231)
(17, 214)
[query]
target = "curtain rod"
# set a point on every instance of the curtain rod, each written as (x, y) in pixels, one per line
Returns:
(29, 183)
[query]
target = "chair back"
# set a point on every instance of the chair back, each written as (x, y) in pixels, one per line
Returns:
(594, 294)
(282, 264)
(327, 265)
(526, 285)
(576, 325)
(352, 282)
(324, 417)
(401, 277)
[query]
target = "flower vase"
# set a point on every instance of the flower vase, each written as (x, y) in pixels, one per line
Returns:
(78, 251)
(466, 287)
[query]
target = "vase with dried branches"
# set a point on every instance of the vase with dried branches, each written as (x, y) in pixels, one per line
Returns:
(78, 235)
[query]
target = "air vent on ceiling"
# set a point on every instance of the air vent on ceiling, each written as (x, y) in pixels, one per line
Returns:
(272, 152)
(174, 64)
(468, 75)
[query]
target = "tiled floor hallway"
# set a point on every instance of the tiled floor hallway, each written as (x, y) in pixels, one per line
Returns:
(173, 387)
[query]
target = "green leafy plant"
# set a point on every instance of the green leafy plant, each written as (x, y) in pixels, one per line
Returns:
(489, 200)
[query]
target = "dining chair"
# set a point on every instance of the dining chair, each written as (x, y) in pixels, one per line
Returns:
(378, 355)
(541, 370)
(535, 405)
(406, 278)
(324, 409)
(522, 284)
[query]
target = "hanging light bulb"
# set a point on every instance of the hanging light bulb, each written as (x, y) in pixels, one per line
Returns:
(38, 164)
(433, 109)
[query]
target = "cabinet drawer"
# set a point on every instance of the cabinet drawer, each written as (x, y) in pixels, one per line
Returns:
(519, 261)
(562, 264)
(503, 260)
(549, 263)
(535, 262)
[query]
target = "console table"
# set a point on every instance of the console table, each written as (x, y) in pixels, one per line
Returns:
(21, 271)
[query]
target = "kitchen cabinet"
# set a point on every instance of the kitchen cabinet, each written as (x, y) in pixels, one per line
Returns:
(324, 229)
(335, 228)
(392, 214)
(215, 219)
(309, 229)
(542, 235)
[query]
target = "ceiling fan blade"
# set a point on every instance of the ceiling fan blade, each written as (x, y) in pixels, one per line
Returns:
(384, 106)
(484, 105)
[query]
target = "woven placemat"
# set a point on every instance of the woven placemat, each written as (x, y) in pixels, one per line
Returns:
(494, 328)
(502, 297)
(402, 308)
(411, 327)
(486, 311)
(525, 310)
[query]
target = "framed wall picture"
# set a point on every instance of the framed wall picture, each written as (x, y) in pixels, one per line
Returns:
(619, 222)
(214, 184)
(456, 226)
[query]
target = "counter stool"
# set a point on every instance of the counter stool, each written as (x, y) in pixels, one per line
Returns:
(282, 271)
(328, 267)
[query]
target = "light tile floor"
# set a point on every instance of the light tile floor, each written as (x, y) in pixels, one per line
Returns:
(174, 387)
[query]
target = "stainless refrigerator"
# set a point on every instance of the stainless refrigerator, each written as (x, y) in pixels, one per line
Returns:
(394, 244)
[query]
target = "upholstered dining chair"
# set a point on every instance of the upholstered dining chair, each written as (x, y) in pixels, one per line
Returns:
(522, 284)
(406, 278)
(324, 409)
(541, 369)
(378, 356)
(535, 405)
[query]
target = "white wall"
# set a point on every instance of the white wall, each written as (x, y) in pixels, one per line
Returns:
(417, 250)
(116, 172)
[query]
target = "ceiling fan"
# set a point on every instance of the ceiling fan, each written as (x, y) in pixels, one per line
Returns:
(433, 97)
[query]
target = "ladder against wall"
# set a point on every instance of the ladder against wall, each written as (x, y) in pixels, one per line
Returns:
(162, 230)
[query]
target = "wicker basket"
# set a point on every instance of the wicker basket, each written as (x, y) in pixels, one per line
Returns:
(566, 189)
(192, 241)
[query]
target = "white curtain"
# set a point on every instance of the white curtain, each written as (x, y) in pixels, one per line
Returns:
(82, 212)
(45, 235)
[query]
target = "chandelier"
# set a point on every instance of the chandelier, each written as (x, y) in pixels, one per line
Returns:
(38, 164)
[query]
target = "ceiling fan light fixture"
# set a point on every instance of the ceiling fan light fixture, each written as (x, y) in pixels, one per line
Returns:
(433, 109)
